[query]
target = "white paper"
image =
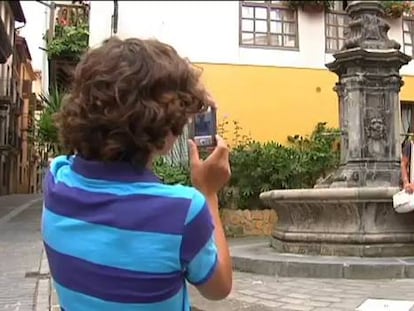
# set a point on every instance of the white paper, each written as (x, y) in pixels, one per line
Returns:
(385, 305)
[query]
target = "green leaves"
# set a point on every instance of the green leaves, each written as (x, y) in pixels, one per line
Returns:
(70, 42)
(259, 167)
(47, 132)
(171, 174)
(292, 4)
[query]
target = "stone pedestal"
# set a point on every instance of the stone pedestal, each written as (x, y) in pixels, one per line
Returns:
(352, 215)
(369, 107)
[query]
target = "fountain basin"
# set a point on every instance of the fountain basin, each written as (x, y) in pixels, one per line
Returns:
(340, 222)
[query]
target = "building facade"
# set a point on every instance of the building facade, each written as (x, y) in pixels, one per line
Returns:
(28, 159)
(19, 160)
(11, 13)
(263, 62)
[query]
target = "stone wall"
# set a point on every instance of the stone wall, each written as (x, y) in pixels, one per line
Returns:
(239, 223)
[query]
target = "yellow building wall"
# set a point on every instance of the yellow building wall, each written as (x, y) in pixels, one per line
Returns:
(407, 91)
(271, 103)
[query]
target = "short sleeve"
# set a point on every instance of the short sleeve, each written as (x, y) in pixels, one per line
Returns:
(198, 249)
(407, 149)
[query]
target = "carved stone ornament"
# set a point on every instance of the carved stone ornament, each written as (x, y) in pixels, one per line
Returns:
(367, 29)
(376, 129)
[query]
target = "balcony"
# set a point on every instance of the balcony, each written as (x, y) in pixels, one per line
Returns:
(35, 104)
(18, 109)
(14, 141)
(6, 48)
(6, 92)
(27, 88)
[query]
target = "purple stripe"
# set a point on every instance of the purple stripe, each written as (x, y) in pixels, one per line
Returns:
(196, 234)
(133, 212)
(116, 171)
(112, 284)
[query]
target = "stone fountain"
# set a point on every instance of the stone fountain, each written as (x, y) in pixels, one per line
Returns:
(350, 214)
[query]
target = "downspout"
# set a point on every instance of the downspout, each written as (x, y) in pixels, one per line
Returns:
(115, 18)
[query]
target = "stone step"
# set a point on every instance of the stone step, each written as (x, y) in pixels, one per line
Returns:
(260, 258)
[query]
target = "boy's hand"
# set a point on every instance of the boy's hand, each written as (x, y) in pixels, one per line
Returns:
(210, 175)
(409, 188)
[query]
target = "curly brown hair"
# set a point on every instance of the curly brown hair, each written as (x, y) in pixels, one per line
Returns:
(126, 97)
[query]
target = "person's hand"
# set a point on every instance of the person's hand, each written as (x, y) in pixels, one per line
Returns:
(210, 175)
(409, 187)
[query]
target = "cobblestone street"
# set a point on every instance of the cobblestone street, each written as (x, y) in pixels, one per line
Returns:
(20, 250)
(254, 292)
(263, 293)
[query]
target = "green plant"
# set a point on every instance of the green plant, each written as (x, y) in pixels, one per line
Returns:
(172, 174)
(69, 42)
(323, 4)
(396, 9)
(319, 152)
(258, 167)
(46, 133)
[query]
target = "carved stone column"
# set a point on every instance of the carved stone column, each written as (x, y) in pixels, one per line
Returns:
(368, 89)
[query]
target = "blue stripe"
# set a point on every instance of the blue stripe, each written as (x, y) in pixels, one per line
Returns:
(197, 203)
(71, 179)
(73, 301)
(111, 284)
(133, 212)
(132, 250)
(204, 264)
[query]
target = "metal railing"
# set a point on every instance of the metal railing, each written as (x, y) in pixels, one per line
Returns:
(179, 153)
(7, 89)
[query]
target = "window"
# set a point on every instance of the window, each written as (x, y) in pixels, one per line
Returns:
(407, 116)
(407, 119)
(408, 34)
(268, 24)
(336, 21)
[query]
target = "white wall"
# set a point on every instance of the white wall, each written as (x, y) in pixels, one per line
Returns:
(208, 31)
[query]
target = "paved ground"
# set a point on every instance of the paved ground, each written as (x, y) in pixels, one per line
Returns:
(263, 293)
(20, 250)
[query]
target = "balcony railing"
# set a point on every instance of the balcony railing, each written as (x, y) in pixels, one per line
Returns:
(27, 88)
(18, 110)
(72, 14)
(7, 91)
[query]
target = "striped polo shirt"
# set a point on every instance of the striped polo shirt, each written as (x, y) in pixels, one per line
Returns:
(118, 239)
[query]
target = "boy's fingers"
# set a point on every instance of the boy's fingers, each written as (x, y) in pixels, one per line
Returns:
(193, 152)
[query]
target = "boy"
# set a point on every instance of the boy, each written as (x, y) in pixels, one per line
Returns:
(116, 238)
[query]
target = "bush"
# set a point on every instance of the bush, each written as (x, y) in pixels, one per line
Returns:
(172, 174)
(259, 167)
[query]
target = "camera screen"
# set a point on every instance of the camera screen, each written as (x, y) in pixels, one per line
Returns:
(203, 125)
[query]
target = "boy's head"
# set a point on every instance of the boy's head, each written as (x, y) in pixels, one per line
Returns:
(129, 100)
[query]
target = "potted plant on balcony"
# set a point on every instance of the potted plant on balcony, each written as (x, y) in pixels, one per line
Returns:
(310, 6)
(69, 42)
(396, 9)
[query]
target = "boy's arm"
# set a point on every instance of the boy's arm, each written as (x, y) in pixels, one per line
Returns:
(204, 252)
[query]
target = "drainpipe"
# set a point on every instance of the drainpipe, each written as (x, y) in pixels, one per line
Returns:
(115, 18)
(49, 21)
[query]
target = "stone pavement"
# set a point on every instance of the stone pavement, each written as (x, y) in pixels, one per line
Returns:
(20, 250)
(24, 281)
(264, 293)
